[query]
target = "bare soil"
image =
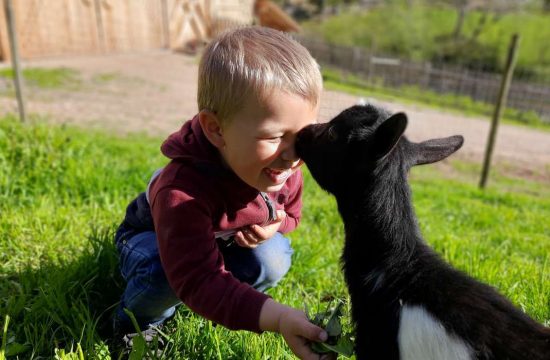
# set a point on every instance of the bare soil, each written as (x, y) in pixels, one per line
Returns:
(155, 92)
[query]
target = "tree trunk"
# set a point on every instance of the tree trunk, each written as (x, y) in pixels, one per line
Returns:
(459, 22)
(480, 25)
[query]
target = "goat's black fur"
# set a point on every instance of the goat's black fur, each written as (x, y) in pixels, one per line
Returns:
(362, 158)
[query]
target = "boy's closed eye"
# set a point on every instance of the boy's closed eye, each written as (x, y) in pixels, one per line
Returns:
(271, 138)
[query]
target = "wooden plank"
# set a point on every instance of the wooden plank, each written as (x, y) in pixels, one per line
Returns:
(4, 45)
(165, 24)
(130, 25)
(60, 27)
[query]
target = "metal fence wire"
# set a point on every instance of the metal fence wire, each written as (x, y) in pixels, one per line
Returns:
(399, 74)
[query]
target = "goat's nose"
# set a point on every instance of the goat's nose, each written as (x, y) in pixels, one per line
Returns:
(303, 137)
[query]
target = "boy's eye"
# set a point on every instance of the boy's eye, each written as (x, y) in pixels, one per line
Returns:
(271, 138)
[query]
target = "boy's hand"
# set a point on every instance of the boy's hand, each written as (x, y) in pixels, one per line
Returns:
(294, 326)
(253, 235)
(298, 333)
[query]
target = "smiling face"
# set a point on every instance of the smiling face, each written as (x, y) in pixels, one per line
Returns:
(258, 141)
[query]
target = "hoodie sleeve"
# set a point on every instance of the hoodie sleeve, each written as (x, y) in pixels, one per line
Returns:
(194, 266)
(293, 204)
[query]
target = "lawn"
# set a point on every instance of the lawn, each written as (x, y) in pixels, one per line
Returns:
(63, 191)
(42, 78)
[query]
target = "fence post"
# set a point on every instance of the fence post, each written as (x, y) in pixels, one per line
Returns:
(100, 26)
(356, 61)
(165, 24)
(499, 107)
(14, 48)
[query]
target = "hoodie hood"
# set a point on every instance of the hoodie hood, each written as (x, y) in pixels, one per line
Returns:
(190, 144)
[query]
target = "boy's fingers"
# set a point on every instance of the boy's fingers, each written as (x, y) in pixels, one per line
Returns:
(239, 239)
(314, 333)
(250, 235)
(281, 214)
(259, 231)
(242, 241)
(301, 348)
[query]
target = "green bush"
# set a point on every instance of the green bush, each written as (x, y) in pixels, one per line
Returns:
(425, 33)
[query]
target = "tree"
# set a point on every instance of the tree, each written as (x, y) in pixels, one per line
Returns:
(487, 7)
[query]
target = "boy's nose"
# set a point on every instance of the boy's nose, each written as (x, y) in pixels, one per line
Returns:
(289, 154)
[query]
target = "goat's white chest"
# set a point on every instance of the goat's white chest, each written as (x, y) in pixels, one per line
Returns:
(422, 337)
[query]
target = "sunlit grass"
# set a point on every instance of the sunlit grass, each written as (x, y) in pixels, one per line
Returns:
(45, 78)
(63, 191)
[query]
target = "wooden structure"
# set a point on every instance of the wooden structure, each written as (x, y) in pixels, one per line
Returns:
(60, 27)
(270, 15)
(82, 27)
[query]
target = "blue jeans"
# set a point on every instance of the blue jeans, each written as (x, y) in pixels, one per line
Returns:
(148, 294)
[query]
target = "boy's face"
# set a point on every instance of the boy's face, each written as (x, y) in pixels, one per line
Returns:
(259, 139)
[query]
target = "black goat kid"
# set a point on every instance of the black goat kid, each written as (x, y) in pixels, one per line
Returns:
(407, 303)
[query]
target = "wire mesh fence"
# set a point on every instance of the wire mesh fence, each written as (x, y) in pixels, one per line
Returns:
(409, 78)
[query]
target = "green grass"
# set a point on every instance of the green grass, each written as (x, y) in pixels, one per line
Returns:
(339, 81)
(63, 191)
(48, 81)
(44, 78)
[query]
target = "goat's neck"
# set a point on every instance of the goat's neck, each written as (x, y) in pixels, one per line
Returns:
(380, 222)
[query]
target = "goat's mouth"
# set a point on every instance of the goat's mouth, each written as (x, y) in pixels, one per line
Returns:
(302, 145)
(305, 139)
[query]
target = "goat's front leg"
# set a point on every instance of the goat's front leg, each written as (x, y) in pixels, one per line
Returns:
(376, 332)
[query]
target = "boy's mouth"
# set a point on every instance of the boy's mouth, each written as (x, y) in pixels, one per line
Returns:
(278, 176)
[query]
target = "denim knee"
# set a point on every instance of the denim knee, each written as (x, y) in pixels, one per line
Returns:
(275, 257)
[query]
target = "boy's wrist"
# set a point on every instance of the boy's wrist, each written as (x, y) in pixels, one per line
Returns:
(271, 314)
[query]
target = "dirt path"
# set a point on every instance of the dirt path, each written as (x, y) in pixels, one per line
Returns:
(154, 92)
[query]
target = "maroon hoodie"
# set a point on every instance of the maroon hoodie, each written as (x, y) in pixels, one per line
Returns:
(195, 197)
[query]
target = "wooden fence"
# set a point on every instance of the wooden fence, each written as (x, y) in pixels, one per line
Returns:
(77, 27)
(397, 73)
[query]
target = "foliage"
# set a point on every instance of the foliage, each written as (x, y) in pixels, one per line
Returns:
(338, 341)
(63, 191)
(424, 32)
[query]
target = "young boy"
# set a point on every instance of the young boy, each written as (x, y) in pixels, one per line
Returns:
(208, 230)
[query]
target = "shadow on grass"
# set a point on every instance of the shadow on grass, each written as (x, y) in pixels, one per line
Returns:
(62, 305)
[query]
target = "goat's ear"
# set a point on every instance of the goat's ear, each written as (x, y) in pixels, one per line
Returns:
(388, 134)
(434, 150)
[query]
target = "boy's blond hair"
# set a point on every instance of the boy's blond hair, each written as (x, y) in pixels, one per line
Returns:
(254, 61)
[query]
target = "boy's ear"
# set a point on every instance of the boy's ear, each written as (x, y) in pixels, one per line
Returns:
(388, 134)
(211, 128)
